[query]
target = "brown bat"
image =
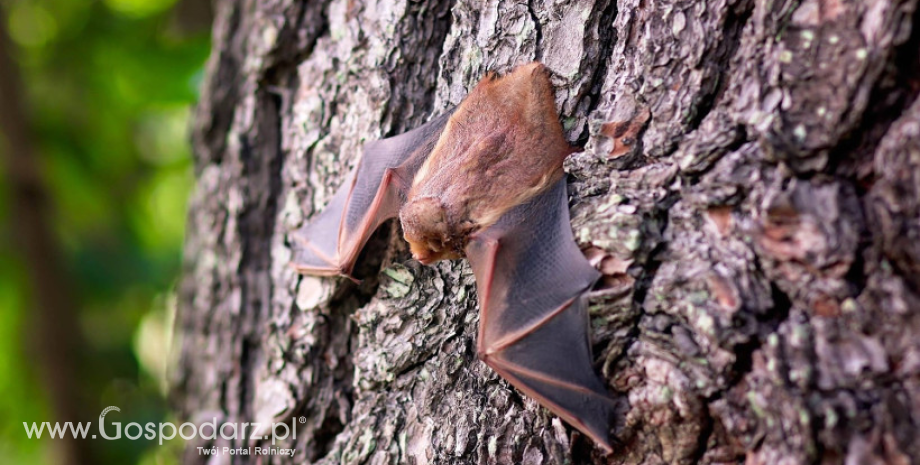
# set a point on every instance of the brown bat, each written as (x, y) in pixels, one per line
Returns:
(485, 182)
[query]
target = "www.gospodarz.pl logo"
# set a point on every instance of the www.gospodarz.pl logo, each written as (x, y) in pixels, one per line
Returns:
(211, 430)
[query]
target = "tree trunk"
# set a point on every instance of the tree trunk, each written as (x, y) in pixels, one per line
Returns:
(749, 186)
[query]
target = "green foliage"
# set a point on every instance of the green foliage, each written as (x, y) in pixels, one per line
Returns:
(109, 86)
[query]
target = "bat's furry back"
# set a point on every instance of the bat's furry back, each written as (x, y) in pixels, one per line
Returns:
(502, 146)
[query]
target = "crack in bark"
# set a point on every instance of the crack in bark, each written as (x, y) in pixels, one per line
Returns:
(893, 92)
(607, 37)
(538, 28)
(256, 226)
(720, 60)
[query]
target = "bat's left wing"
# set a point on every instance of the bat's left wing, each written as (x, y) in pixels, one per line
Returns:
(533, 328)
(372, 193)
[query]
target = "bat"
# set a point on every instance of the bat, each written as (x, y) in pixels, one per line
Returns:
(485, 181)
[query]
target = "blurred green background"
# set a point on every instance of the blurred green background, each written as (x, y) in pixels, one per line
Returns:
(107, 88)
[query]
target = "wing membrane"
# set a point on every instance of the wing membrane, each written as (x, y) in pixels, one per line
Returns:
(330, 243)
(533, 329)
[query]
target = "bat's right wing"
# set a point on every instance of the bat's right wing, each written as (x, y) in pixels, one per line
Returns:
(330, 243)
(533, 328)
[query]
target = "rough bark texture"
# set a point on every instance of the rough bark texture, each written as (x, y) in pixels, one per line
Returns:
(749, 186)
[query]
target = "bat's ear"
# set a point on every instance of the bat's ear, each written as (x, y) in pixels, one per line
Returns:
(535, 67)
(489, 77)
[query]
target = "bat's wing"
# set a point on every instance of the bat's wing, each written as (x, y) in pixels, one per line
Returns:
(533, 328)
(330, 243)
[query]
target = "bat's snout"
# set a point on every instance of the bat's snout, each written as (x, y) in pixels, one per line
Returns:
(421, 253)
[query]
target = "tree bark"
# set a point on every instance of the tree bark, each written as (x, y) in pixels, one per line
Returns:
(749, 186)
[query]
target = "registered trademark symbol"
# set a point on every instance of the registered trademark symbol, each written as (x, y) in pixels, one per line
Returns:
(303, 420)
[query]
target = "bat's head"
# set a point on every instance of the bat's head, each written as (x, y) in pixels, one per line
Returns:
(430, 233)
